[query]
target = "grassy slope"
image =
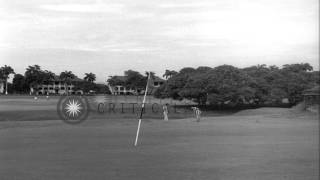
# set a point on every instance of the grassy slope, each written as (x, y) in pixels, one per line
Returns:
(25, 108)
(266, 143)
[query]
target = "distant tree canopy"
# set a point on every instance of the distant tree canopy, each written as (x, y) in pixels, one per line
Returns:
(19, 84)
(34, 75)
(115, 80)
(169, 73)
(134, 79)
(5, 71)
(222, 85)
(90, 77)
(67, 76)
(234, 86)
(131, 78)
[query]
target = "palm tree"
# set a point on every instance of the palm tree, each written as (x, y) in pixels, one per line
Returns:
(67, 77)
(48, 76)
(5, 71)
(90, 77)
(168, 74)
(33, 76)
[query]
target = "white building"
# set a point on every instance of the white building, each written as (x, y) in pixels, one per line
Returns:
(122, 90)
(56, 86)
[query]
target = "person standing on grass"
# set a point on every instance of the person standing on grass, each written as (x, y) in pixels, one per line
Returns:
(197, 113)
(165, 112)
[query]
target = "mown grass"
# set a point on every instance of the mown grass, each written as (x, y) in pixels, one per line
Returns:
(26, 108)
(264, 144)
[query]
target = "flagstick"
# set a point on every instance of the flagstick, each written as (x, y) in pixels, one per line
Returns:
(142, 109)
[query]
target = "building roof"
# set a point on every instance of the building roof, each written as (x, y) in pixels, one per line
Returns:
(124, 78)
(57, 78)
(156, 78)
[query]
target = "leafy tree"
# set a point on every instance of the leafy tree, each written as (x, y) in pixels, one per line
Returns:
(273, 83)
(90, 77)
(296, 68)
(295, 79)
(277, 95)
(188, 83)
(47, 76)
(169, 73)
(115, 80)
(5, 71)
(33, 76)
(314, 78)
(230, 84)
(19, 84)
(195, 87)
(134, 79)
(187, 71)
(101, 89)
(175, 84)
(262, 78)
(67, 77)
(203, 69)
(161, 92)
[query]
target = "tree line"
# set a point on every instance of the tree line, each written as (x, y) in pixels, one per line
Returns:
(230, 86)
(35, 75)
(219, 86)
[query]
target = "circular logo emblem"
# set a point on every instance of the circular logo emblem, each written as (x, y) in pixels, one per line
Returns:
(73, 109)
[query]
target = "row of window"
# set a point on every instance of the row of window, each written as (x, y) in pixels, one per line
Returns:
(157, 83)
(122, 88)
(51, 88)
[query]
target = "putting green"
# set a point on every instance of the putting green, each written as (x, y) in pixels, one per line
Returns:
(268, 143)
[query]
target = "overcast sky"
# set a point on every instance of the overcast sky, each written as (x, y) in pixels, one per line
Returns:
(107, 37)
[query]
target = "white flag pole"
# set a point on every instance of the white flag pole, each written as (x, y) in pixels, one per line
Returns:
(142, 109)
